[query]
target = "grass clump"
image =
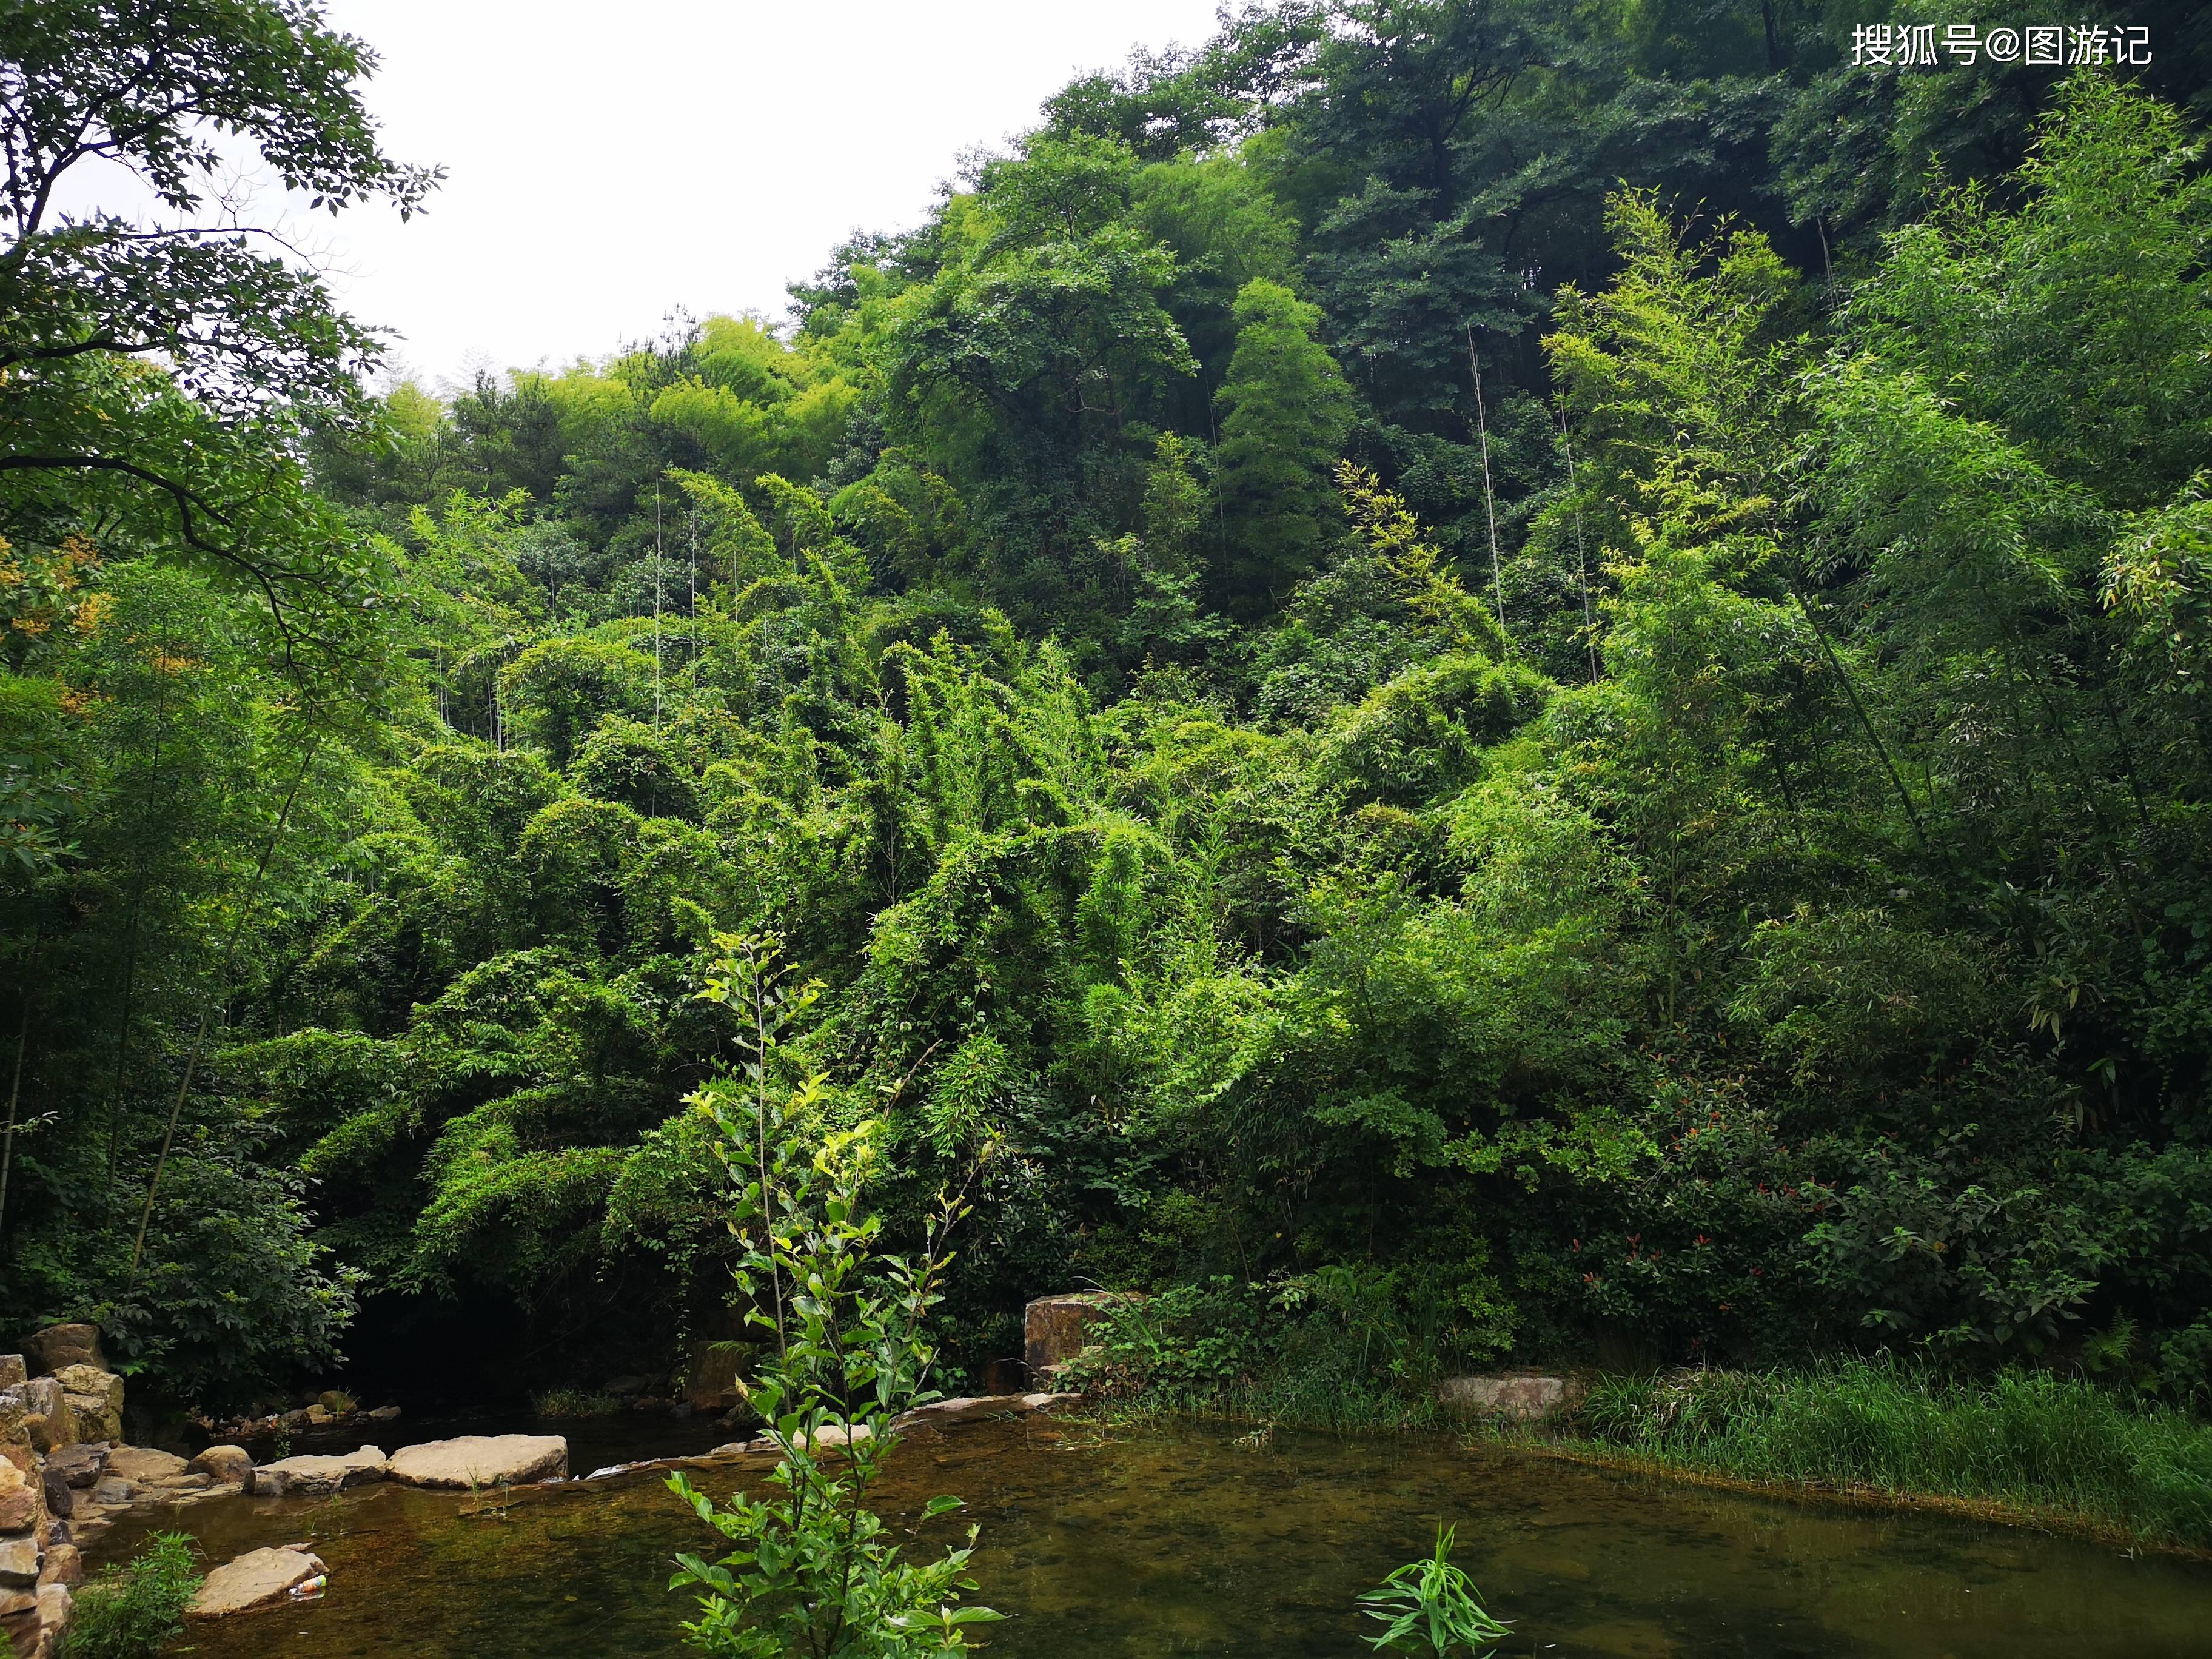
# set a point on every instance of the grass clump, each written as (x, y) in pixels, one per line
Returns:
(575, 1402)
(128, 1611)
(2027, 1440)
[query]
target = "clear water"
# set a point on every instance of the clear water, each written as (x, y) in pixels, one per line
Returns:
(1179, 1541)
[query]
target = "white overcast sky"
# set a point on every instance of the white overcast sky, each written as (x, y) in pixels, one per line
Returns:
(607, 162)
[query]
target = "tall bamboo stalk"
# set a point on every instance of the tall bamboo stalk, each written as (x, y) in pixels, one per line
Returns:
(16, 1085)
(1489, 499)
(222, 982)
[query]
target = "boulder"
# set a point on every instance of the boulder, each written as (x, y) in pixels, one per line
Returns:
(15, 1430)
(145, 1463)
(19, 1561)
(253, 1580)
(81, 1464)
(22, 1504)
(317, 1477)
(61, 1501)
(110, 1492)
(229, 1466)
(383, 1414)
(1055, 1328)
(710, 1384)
(831, 1436)
(64, 1566)
(57, 1346)
(1523, 1396)
(55, 1603)
(482, 1460)
(97, 1397)
(337, 1402)
(12, 1370)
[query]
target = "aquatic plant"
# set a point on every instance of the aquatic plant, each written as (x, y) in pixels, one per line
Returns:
(575, 1402)
(811, 1571)
(127, 1611)
(1430, 1606)
(2030, 1439)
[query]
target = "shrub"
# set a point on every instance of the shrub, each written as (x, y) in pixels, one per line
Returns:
(128, 1611)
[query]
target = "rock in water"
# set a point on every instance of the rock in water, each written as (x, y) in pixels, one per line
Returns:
(58, 1346)
(482, 1460)
(145, 1463)
(229, 1466)
(253, 1580)
(317, 1477)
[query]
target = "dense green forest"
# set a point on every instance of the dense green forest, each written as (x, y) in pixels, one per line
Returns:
(1699, 850)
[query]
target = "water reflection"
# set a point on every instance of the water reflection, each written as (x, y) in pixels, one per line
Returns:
(1182, 1542)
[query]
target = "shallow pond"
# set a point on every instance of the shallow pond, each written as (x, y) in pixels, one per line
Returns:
(1181, 1541)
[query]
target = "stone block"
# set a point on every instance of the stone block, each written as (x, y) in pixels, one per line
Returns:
(81, 1464)
(96, 1396)
(59, 1346)
(22, 1508)
(19, 1561)
(144, 1463)
(1523, 1396)
(64, 1566)
(112, 1493)
(1055, 1328)
(12, 1370)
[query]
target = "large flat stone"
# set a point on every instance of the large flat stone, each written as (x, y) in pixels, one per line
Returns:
(317, 1477)
(959, 1410)
(481, 1459)
(253, 1580)
(145, 1463)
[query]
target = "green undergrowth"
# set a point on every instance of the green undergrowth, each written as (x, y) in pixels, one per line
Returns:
(127, 1611)
(2060, 1447)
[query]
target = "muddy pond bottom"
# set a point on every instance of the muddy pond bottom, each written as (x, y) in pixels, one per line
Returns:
(1182, 1541)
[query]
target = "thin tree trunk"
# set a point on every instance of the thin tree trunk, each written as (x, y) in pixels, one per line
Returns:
(1488, 501)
